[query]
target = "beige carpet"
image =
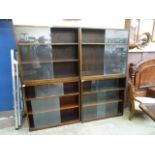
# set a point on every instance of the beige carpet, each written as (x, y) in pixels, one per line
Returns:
(140, 125)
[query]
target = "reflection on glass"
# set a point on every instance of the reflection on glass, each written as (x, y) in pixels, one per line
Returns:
(105, 84)
(49, 90)
(101, 98)
(89, 99)
(107, 96)
(27, 34)
(37, 71)
(105, 110)
(96, 105)
(101, 111)
(45, 112)
(99, 85)
(115, 59)
(116, 36)
(36, 53)
(89, 113)
(46, 119)
(44, 105)
(57, 89)
(36, 62)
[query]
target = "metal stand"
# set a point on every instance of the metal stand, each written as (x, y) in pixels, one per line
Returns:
(17, 92)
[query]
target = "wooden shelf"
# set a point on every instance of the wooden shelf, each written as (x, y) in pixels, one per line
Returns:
(67, 60)
(48, 61)
(104, 43)
(101, 102)
(107, 116)
(49, 97)
(64, 107)
(63, 123)
(70, 122)
(103, 77)
(93, 43)
(64, 44)
(69, 106)
(45, 44)
(103, 90)
(50, 81)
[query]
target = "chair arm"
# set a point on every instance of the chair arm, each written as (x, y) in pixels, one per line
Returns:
(138, 100)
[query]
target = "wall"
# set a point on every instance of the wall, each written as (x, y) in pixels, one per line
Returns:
(84, 22)
(7, 42)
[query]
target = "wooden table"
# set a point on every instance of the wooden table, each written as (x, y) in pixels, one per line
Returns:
(149, 109)
(151, 91)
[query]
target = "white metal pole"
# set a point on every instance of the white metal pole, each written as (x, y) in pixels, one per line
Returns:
(14, 89)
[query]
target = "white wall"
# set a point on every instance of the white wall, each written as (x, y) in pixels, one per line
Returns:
(84, 22)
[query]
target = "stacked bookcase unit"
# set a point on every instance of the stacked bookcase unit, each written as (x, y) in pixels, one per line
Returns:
(49, 65)
(103, 76)
(71, 74)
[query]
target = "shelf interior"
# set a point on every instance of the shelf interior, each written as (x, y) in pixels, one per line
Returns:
(50, 90)
(93, 36)
(64, 35)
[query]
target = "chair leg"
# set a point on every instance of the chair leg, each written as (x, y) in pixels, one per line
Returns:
(131, 115)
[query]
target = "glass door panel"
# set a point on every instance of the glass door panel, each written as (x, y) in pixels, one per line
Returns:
(44, 113)
(29, 34)
(89, 113)
(102, 98)
(45, 119)
(49, 90)
(116, 36)
(43, 105)
(115, 58)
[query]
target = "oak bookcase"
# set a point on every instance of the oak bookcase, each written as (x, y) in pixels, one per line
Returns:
(71, 74)
(103, 72)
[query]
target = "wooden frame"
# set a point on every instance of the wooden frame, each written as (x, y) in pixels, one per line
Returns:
(132, 99)
(135, 29)
(100, 77)
(142, 76)
(80, 78)
(153, 32)
(43, 82)
(141, 83)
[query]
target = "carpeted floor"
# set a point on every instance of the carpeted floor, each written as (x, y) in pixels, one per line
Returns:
(140, 125)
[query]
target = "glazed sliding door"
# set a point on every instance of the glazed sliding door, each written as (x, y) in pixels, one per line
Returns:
(52, 104)
(116, 50)
(102, 98)
(47, 53)
(115, 59)
(43, 105)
